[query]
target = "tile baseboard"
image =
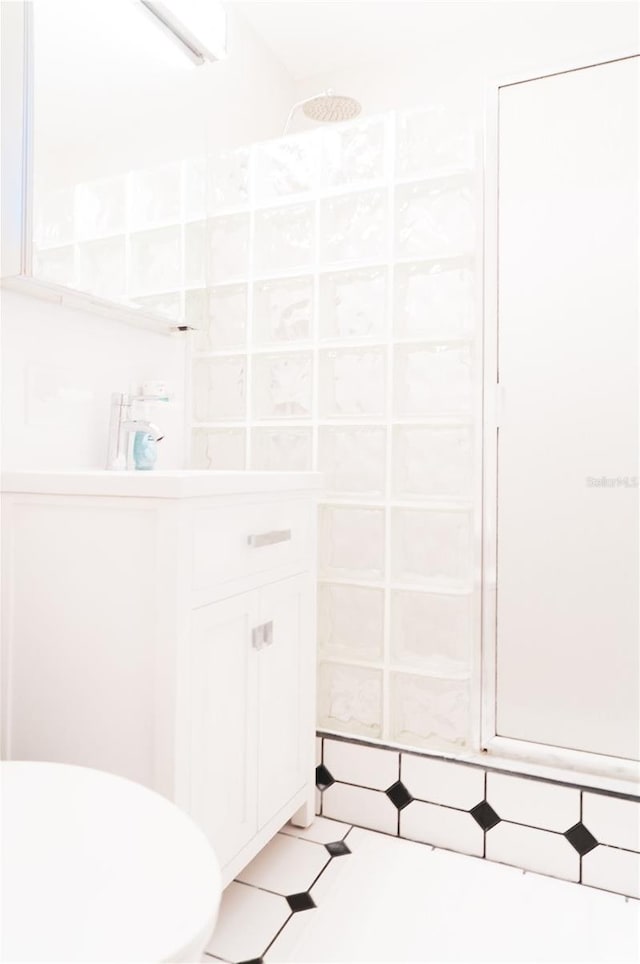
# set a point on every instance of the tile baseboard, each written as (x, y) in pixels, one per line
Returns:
(543, 826)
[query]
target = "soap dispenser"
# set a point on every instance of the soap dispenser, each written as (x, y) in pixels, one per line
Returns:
(145, 451)
(145, 442)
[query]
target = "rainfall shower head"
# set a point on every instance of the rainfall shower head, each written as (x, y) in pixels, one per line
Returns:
(327, 108)
(331, 108)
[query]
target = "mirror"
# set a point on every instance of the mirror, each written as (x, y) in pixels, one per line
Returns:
(119, 137)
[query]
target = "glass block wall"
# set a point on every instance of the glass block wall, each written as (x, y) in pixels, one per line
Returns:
(333, 278)
(339, 333)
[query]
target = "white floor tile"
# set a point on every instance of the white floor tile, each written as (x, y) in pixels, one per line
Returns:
(247, 923)
(394, 900)
(439, 781)
(612, 820)
(537, 850)
(286, 942)
(534, 802)
(611, 869)
(442, 827)
(287, 865)
(366, 808)
(367, 766)
(321, 830)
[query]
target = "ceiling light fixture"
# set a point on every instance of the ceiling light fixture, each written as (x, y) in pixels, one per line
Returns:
(198, 26)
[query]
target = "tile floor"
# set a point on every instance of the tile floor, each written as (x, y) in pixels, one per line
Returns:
(336, 893)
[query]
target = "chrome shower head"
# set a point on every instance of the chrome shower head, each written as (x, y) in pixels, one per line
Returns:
(327, 108)
(330, 108)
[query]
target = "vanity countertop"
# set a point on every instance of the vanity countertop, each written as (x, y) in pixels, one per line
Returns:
(160, 484)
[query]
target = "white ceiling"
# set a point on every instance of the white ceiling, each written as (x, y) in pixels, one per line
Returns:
(317, 36)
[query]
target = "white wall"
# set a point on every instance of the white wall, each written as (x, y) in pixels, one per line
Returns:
(453, 68)
(59, 368)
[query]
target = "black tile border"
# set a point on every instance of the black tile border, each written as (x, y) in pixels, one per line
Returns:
(477, 765)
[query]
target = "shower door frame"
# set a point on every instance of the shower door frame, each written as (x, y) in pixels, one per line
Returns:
(595, 769)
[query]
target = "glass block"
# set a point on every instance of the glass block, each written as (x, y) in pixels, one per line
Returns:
(434, 220)
(434, 301)
(282, 311)
(53, 220)
(432, 631)
(433, 380)
(195, 188)
(167, 305)
(282, 385)
(354, 227)
(353, 152)
(352, 382)
(221, 314)
(429, 712)
(195, 253)
(56, 265)
(228, 180)
(219, 388)
(353, 303)
(284, 238)
(350, 699)
(350, 622)
(156, 196)
(353, 459)
(220, 448)
(102, 268)
(284, 167)
(228, 247)
(433, 461)
(429, 546)
(431, 140)
(281, 449)
(101, 208)
(352, 541)
(156, 261)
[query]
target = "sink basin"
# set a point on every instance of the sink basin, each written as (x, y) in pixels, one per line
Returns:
(160, 484)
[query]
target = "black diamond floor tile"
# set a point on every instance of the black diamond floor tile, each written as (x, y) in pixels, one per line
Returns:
(255, 960)
(299, 902)
(323, 777)
(484, 814)
(338, 848)
(399, 795)
(581, 839)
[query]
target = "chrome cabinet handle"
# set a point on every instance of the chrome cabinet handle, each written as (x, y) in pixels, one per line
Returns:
(269, 538)
(262, 635)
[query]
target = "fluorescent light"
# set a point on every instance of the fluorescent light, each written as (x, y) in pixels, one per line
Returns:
(199, 26)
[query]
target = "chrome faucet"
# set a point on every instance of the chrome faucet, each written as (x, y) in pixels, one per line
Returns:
(122, 425)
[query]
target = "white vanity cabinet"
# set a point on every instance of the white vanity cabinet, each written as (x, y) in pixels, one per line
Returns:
(162, 626)
(236, 784)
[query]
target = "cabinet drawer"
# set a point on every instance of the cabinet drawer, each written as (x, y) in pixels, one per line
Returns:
(234, 541)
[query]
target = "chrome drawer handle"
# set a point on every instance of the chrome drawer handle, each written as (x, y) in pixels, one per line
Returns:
(269, 538)
(262, 636)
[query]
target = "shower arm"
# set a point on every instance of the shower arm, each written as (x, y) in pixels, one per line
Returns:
(301, 103)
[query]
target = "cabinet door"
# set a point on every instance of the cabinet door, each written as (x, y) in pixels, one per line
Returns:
(223, 721)
(287, 696)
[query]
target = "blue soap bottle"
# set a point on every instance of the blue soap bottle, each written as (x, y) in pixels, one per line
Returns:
(145, 451)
